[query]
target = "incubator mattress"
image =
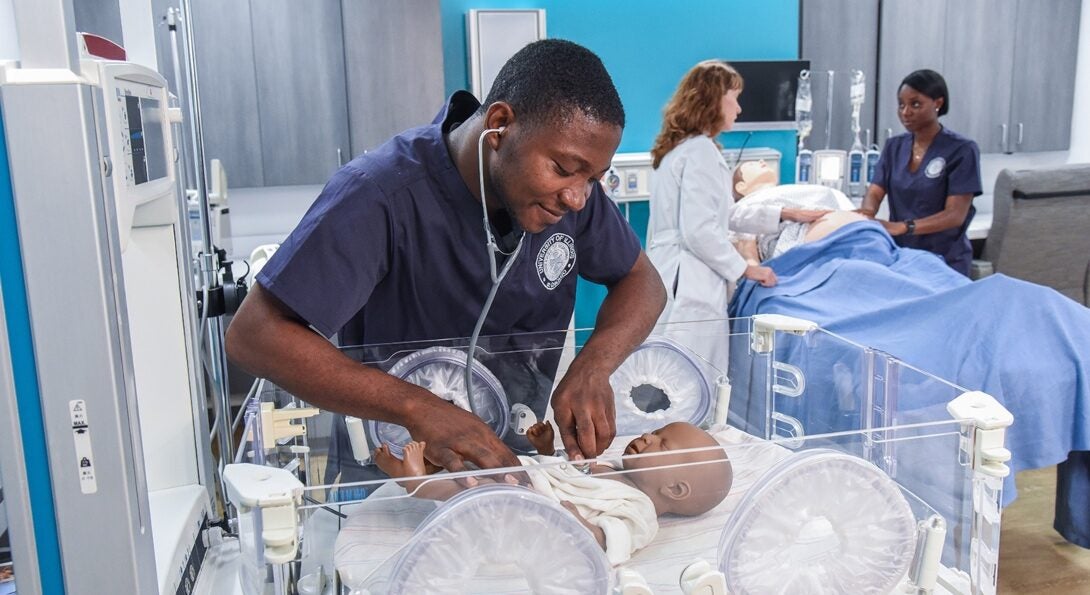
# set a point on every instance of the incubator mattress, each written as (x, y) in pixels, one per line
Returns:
(373, 533)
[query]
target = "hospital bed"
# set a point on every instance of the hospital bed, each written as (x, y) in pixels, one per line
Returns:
(1022, 343)
(874, 508)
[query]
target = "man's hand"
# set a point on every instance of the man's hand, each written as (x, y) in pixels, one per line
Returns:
(584, 411)
(802, 215)
(454, 436)
(763, 275)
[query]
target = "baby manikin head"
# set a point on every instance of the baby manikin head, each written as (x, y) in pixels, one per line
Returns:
(751, 176)
(684, 483)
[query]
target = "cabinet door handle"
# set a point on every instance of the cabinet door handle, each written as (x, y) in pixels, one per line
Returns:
(340, 160)
(1003, 138)
(889, 133)
(1020, 129)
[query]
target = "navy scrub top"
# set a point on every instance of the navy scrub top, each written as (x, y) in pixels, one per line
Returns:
(393, 250)
(950, 166)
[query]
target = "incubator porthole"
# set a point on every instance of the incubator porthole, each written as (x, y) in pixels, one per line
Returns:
(660, 382)
(441, 370)
(650, 398)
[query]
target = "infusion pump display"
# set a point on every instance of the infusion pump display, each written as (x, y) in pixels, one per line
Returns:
(146, 155)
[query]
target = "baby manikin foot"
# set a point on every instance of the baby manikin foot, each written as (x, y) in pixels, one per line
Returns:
(412, 461)
(411, 466)
(386, 461)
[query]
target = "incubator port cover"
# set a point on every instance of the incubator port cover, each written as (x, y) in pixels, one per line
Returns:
(819, 522)
(659, 366)
(442, 371)
(467, 545)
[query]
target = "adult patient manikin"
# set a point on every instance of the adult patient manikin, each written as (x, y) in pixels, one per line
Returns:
(758, 194)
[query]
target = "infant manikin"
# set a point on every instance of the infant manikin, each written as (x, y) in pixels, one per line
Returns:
(620, 509)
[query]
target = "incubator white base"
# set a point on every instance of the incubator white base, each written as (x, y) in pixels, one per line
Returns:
(177, 515)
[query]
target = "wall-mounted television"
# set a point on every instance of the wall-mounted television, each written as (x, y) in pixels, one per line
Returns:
(768, 100)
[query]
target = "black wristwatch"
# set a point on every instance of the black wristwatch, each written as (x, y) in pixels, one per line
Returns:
(910, 226)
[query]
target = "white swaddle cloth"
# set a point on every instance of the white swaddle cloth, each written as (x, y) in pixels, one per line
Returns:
(625, 514)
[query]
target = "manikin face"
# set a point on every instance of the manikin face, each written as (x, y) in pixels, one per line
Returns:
(686, 483)
(543, 171)
(730, 110)
(675, 436)
(916, 110)
(753, 175)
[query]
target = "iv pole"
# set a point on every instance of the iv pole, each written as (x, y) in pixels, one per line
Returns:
(215, 359)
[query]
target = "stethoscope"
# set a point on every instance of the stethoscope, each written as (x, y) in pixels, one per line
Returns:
(497, 277)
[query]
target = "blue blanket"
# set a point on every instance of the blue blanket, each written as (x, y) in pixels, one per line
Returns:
(1024, 344)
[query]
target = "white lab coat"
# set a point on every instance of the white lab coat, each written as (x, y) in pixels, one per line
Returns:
(691, 209)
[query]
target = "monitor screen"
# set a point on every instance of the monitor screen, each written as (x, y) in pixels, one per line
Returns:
(149, 157)
(768, 99)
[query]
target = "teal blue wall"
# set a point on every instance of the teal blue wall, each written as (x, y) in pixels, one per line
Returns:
(647, 45)
(17, 316)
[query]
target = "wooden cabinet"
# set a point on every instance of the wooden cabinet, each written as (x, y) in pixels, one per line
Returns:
(1009, 66)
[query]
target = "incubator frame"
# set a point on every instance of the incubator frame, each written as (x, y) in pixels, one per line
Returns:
(941, 444)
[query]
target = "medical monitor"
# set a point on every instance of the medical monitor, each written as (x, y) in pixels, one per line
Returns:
(768, 100)
(147, 156)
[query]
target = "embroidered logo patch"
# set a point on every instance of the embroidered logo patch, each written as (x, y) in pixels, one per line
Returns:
(555, 260)
(935, 167)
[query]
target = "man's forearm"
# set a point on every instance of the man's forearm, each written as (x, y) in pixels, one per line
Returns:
(269, 343)
(626, 317)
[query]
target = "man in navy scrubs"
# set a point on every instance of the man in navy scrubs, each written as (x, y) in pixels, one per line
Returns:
(394, 250)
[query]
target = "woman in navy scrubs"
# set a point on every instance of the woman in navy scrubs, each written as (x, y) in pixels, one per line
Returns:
(930, 173)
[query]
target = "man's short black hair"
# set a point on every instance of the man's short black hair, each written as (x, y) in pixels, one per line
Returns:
(553, 78)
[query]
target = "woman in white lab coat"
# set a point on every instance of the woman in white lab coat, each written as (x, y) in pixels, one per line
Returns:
(691, 207)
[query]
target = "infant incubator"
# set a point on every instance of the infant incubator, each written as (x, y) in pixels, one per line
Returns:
(896, 489)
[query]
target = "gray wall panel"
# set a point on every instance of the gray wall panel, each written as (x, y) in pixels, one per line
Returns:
(222, 34)
(303, 109)
(101, 17)
(840, 35)
(1043, 92)
(913, 37)
(980, 32)
(394, 64)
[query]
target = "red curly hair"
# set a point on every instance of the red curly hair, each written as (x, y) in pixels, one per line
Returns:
(696, 107)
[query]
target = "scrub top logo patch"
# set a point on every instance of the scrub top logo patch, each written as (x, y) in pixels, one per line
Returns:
(555, 260)
(935, 167)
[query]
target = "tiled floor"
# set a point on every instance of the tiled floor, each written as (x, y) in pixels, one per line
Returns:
(1033, 558)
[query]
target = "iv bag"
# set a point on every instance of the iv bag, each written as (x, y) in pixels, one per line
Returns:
(803, 104)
